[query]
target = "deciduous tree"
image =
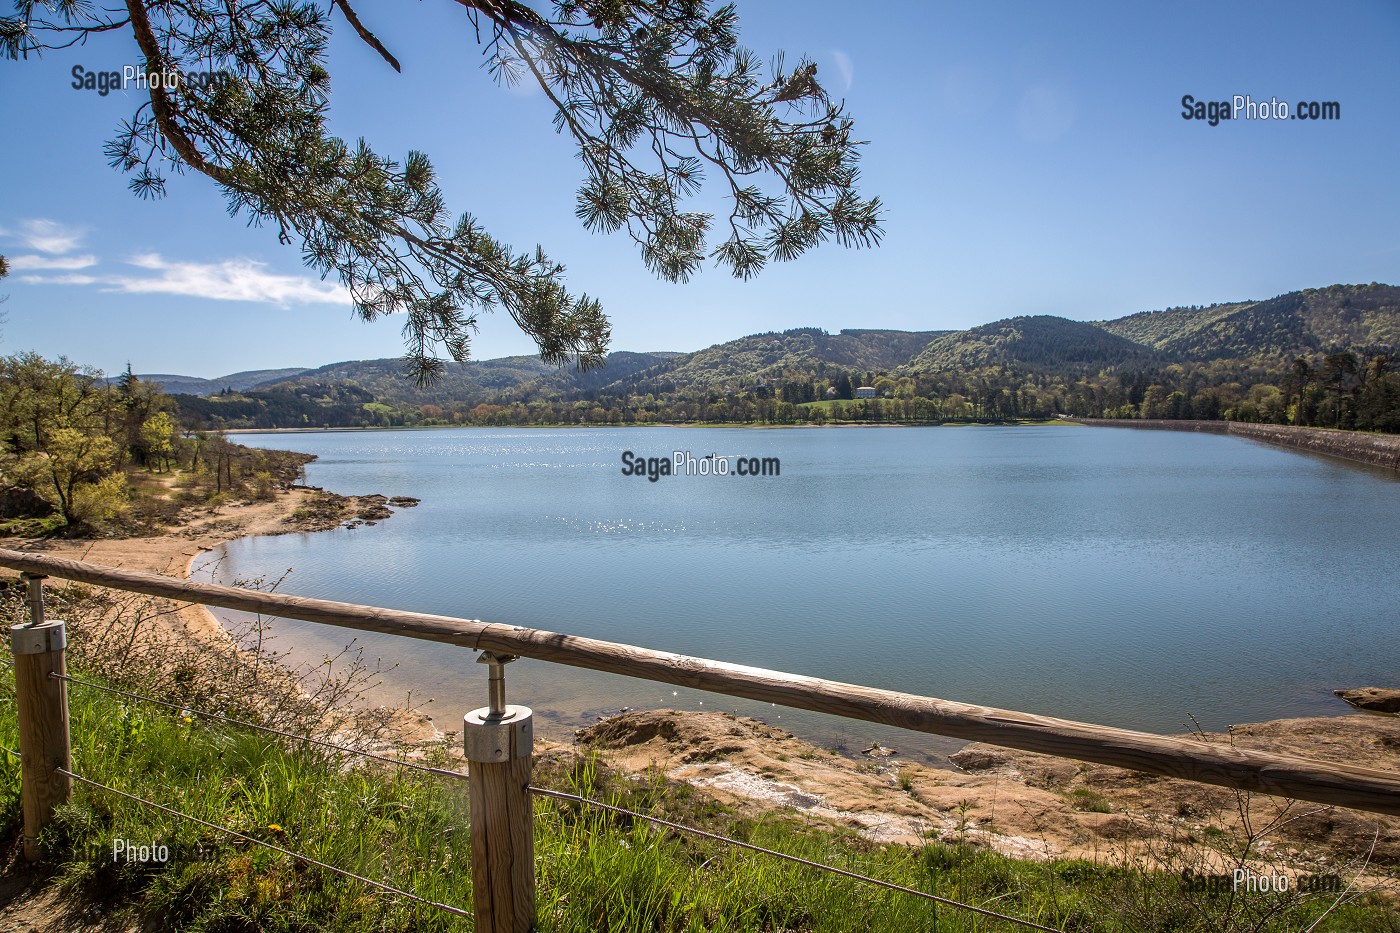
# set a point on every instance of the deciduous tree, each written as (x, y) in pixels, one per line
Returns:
(69, 461)
(158, 436)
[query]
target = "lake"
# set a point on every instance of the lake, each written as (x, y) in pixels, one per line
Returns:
(1127, 577)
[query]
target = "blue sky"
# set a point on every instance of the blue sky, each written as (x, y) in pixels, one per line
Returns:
(1032, 156)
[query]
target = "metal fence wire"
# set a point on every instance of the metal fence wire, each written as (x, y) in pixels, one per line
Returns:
(299, 856)
(820, 866)
(443, 772)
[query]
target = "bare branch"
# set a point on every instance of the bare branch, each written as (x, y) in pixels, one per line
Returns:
(370, 39)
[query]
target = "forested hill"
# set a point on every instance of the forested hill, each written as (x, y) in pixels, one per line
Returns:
(476, 380)
(1307, 323)
(1041, 342)
(1317, 320)
(773, 357)
(237, 382)
(365, 393)
(1328, 356)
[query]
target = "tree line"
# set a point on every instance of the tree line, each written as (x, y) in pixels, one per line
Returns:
(1352, 390)
(79, 452)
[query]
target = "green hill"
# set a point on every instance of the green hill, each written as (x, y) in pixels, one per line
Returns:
(1307, 323)
(1233, 361)
(1039, 342)
(475, 381)
(196, 385)
(773, 357)
(1317, 320)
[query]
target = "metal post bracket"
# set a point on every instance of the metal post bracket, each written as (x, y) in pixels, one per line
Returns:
(497, 733)
(493, 738)
(43, 638)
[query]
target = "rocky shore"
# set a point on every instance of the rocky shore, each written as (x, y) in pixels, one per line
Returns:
(1023, 804)
(295, 510)
(1375, 449)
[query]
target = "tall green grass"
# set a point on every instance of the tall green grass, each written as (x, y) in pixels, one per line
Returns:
(596, 871)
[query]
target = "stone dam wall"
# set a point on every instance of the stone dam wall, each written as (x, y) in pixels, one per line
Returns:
(1376, 449)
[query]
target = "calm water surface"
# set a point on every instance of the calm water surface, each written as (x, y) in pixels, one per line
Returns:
(1134, 578)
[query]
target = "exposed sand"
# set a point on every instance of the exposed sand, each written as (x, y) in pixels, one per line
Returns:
(298, 510)
(1022, 804)
(173, 552)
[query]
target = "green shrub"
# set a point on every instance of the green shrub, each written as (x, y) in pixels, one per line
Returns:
(101, 501)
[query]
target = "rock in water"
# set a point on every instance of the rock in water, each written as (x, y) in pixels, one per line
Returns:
(1372, 699)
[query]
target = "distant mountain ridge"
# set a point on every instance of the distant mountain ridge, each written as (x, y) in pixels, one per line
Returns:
(384, 378)
(238, 382)
(796, 365)
(1306, 323)
(1039, 341)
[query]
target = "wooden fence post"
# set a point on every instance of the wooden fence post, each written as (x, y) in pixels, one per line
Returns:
(499, 740)
(42, 704)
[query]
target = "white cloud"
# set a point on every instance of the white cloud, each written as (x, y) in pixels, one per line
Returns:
(58, 279)
(844, 67)
(231, 280)
(19, 263)
(46, 236)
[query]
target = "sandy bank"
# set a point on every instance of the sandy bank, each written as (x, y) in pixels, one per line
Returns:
(297, 510)
(1026, 805)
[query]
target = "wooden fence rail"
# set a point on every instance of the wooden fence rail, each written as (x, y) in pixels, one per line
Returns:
(1287, 776)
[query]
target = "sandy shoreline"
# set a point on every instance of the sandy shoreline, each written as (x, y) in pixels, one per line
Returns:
(298, 510)
(174, 552)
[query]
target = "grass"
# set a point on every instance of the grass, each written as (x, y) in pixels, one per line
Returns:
(31, 527)
(385, 825)
(596, 871)
(1090, 801)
